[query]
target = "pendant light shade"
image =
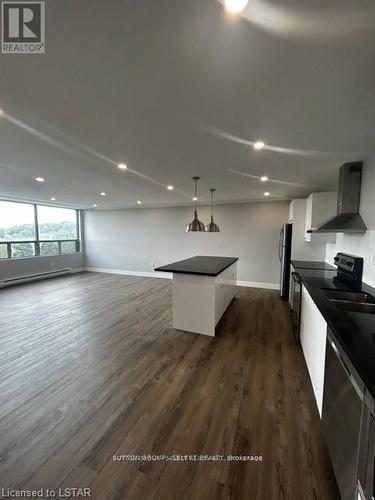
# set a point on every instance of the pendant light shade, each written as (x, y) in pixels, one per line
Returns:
(195, 225)
(212, 227)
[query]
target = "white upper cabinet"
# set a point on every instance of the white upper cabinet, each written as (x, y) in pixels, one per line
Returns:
(291, 211)
(319, 208)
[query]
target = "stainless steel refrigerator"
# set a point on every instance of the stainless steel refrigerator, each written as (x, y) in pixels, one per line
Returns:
(285, 253)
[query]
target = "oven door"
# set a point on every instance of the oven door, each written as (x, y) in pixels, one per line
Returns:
(295, 305)
(341, 417)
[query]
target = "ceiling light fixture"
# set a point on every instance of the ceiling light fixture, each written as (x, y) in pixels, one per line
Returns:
(266, 193)
(122, 166)
(195, 225)
(103, 193)
(195, 198)
(1, 112)
(39, 179)
(258, 145)
(139, 202)
(53, 199)
(235, 6)
(212, 227)
(170, 187)
(264, 178)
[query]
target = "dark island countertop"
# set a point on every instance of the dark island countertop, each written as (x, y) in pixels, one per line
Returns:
(310, 264)
(353, 332)
(200, 264)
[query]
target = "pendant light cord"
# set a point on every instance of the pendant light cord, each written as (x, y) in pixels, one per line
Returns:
(212, 190)
(195, 179)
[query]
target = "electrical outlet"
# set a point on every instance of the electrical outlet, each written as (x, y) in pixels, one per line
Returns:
(52, 263)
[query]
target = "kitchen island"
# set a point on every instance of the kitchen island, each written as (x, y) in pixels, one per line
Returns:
(203, 288)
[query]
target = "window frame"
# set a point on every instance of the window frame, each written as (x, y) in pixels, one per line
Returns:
(37, 241)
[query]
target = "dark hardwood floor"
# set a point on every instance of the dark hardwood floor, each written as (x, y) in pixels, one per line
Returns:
(91, 368)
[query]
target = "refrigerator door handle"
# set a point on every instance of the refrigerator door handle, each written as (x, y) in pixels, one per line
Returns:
(281, 239)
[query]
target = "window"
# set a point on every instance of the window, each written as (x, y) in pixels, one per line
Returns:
(3, 251)
(22, 250)
(49, 248)
(17, 221)
(57, 223)
(28, 230)
(68, 246)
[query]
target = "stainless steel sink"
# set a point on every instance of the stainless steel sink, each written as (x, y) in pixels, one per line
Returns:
(360, 307)
(350, 296)
(352, 301)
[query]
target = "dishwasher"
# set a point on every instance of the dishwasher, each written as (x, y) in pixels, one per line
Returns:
(342, 409)
(366, 466)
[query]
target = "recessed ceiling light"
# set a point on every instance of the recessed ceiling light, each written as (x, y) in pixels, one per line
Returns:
(53, 199)
(258, 145)
(139, 202)
(267, 193)
(39, 179)
(103, 193)
(264, 178)
(122, 166)
(195, 198)
(170, 187)
(95, 205)
(235, 6)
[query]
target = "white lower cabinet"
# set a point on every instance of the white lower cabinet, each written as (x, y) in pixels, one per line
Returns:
(313, 335)
(225, 290)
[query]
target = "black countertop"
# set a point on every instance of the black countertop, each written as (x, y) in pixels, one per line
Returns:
(200, 264)
(310, 264)
(353, 332)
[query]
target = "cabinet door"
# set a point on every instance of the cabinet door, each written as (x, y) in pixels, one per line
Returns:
(313, 340)
(308, 217)
(320, 341)
(319, 208)
(291, 211)
(306, 330)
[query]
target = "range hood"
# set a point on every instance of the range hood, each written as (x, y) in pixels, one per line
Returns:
(348, 218)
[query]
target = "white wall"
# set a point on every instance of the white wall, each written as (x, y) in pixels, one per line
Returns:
(362, 244)
(140, 239)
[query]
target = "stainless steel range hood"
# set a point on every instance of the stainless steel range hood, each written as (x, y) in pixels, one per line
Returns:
(348, 218)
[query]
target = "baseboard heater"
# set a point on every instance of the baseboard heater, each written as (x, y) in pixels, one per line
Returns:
(35, 277)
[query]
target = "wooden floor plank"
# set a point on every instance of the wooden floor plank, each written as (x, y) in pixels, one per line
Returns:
(91, 367)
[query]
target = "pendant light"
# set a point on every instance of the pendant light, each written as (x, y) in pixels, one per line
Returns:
(212, 227)
(195, 225)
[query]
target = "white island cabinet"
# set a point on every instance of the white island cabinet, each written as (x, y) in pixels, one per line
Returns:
(313, 335)
(203, 288)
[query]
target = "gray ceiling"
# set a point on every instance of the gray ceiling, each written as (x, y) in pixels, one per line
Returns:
(178, 88)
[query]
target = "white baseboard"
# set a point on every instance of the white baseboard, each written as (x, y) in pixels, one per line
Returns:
(144, 274)
(255, 284)
(252, 284)
(78, 270)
